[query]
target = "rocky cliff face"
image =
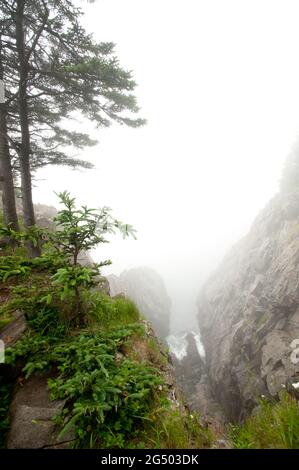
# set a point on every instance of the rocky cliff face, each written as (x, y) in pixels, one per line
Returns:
(146, 288)
(249, 311)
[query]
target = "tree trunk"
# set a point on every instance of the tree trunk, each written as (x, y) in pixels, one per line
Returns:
(7, 184)
(28, 210)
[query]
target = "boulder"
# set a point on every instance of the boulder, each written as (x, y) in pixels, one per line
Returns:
(32, 417)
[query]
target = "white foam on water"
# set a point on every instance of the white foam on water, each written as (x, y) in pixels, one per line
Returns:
(199, 345)
(178, 344)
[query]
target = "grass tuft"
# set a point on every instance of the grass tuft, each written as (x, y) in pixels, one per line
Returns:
(275, 425)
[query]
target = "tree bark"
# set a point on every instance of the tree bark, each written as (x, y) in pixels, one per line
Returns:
(7, 183)
(25, 151)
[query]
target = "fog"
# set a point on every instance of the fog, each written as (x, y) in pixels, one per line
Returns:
(218, 84)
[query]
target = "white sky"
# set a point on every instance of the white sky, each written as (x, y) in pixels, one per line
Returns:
(219, 84)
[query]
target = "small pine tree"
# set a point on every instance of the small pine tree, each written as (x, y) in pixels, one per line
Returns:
(79, 230)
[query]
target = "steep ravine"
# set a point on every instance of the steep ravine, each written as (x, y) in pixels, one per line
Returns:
(248, 311)
(114, 362)
(147, 289)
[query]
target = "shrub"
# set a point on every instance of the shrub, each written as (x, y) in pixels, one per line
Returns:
(107, 399)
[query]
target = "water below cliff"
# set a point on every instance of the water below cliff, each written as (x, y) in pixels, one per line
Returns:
(178, 343)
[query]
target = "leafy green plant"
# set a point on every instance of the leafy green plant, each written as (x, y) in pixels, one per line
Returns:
(13, 266)
(82, 229)
(48, 323)
(32, 234)
(108, 399)
(79, 230)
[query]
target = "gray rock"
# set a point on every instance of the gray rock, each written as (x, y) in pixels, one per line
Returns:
(32, 413)
(14, 330)
(32, 428)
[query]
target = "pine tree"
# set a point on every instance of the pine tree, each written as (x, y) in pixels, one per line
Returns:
(25, 150)
(6, 175)
(58, 72)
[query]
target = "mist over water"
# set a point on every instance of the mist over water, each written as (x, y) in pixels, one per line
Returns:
(183, 273)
